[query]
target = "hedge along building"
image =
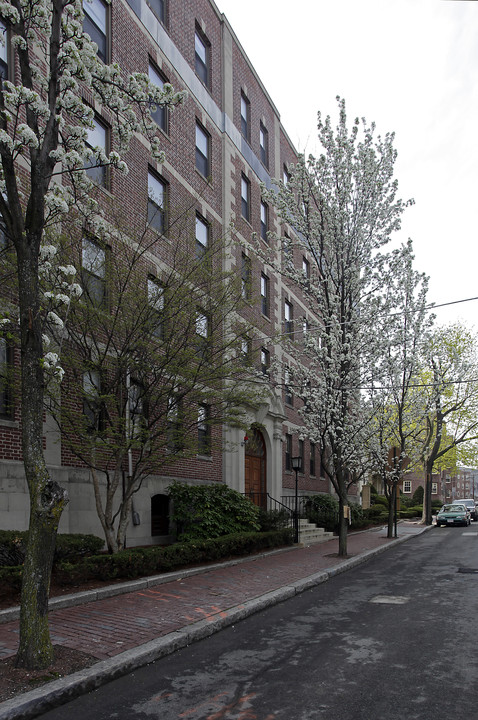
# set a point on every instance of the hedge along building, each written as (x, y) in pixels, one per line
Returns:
(220, 145)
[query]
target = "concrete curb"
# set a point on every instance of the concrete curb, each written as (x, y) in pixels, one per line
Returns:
(58, 692)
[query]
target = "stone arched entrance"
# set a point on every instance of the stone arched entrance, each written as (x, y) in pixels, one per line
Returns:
(255, 466)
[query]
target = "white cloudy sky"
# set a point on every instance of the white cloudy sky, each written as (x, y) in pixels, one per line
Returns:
(411, 66)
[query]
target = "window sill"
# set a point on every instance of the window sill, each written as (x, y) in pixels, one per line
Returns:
(5, 422)
(205, 179)
(207, 458)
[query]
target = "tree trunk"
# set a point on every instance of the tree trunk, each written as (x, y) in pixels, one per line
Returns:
(343, 528)
(47, 498)
(35, 650)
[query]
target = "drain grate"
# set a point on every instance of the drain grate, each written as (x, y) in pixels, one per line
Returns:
(468, 571)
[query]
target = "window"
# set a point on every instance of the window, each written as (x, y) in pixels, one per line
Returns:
(204, 430)
(156, 303)
(202, 236)
(407, 486)
(202, 333)
(3, 52)
(136, 409)
(285, 175)
(312, 459)
(264, 295)
(264, 220)
(264, 145)
(158, 113)
(157, 8)
(305, 268)
(245, 198)
(288, 452)
(156, 203)
(93, 407)
(6, 368)
(95, 24)
(289, 319)
(201, 56)
(289, 399)
(202, 151)
(245, 113)
(434, 488)
(305, 328)
(97, 141)
(301, 455)
(93, 270)
(265, 361)
(246, 350)
(246, 277)
(174, 424)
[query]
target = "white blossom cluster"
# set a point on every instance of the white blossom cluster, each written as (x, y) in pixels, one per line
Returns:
(62, 288)
(62, 128)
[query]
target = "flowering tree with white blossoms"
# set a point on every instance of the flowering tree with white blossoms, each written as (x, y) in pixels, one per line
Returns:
(340, 210)
(398, 403)
(44, 126)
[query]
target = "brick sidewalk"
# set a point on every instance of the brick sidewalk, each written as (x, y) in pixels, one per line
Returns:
(107, 627)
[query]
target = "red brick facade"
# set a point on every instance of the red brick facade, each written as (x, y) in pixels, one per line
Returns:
(137, 40)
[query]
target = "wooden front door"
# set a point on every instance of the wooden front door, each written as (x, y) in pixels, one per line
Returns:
(255, 469)
(253, 475)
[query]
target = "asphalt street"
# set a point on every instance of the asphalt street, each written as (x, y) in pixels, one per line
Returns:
(391, 639)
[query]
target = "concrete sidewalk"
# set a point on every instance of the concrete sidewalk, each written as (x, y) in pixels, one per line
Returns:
(129, 625)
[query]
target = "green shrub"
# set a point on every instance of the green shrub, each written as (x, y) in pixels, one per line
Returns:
(140, 562)
(380, 500)
(418, 495)
(358, 519)
(408, 513)
(10, 579)
(374, 511)
(323, 510)
(12, 547)
(210, 511)
(68, 546)
(273, 519)
(406, 501)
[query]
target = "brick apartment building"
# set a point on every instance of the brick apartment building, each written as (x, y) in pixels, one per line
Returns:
(220, 144)
(446, 485)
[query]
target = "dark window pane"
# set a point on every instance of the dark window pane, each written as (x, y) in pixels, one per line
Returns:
(202, 151)
(158, 113)
(201, 58)
(157, 6)
(94, 24)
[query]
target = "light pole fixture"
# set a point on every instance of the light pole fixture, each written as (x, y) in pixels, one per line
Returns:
(296, 466)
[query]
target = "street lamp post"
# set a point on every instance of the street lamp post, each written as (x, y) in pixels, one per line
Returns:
(296, 466)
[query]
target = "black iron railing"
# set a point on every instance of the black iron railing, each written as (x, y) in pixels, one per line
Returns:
(281, 514)
(282, 511)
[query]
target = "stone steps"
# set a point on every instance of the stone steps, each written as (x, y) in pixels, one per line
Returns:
(309, 533)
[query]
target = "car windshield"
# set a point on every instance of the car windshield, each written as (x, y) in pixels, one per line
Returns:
(455, 508)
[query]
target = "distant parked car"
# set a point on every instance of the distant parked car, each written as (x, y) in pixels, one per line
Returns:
(470, 504)
(454, 515)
